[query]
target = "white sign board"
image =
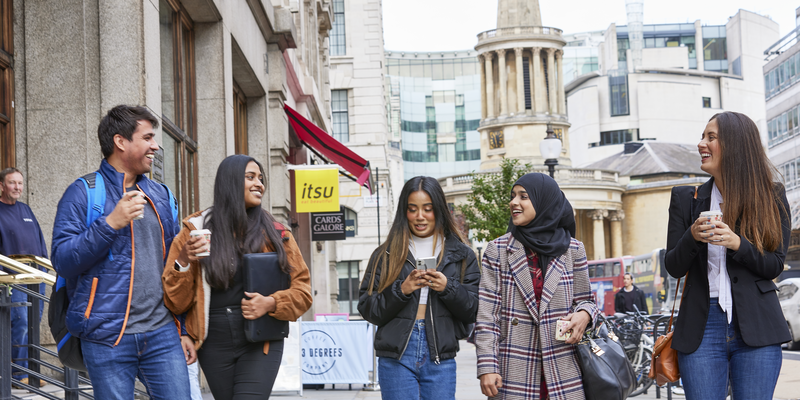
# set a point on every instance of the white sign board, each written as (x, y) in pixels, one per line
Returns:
(372, 201)
(289, 379)
(336, 352)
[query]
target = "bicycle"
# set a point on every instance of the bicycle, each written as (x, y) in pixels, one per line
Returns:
(632, 329)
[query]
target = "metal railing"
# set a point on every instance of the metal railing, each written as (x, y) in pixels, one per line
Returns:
(520, 31)
(27, 280)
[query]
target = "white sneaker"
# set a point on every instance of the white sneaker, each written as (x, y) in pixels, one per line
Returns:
(677, 391)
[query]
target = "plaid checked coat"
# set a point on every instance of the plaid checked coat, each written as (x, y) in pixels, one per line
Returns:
(514, 334)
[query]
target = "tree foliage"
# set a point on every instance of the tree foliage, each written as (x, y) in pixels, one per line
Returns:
(486, 211)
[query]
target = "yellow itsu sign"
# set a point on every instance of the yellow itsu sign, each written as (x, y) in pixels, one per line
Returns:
(316, 190)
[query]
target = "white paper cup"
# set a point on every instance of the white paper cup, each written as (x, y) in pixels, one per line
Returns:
(716, 216)
(141, 214)
(206, 234)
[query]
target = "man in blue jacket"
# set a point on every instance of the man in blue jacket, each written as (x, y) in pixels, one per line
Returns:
(113, 267)
(19, 234)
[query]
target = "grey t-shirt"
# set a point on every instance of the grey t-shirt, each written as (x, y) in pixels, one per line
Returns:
(147, 312)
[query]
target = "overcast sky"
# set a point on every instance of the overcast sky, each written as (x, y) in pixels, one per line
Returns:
(433, 25)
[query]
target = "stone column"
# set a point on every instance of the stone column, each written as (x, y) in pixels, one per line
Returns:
(481, 59)
(616, 218)
(598, 233)
(560, 81)
(520, 81)
(551, 82)
(490, 113)
(536, 87)
(501, 58)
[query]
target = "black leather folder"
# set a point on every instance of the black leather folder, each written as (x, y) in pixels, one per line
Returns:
(263, 275)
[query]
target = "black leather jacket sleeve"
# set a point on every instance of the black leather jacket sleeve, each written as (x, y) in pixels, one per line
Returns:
(462, 298)
(381, 307)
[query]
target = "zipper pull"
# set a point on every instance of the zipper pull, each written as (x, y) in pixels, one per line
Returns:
(436, 361)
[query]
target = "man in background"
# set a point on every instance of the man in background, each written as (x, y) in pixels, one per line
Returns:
(19, 234)
(629, 296)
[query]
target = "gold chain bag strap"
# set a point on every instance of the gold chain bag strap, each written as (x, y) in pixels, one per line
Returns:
(664, 363)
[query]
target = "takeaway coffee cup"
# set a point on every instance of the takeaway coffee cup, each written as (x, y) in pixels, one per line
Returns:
(141, 214)
(206, 234)
(716, 216)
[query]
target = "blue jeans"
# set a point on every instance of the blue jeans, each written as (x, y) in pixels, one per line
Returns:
(415, 375)
(19, 330)
(722, 357)
(156, 357)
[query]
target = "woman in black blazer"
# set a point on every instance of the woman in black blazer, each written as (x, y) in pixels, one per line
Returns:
(731, 325)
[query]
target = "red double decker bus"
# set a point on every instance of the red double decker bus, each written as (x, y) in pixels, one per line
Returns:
(607, 277)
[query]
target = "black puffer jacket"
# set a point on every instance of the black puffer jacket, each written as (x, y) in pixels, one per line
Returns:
(394, 313)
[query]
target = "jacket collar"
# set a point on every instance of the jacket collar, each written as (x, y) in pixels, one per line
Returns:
(454, 249)
(704, 191)
(114, 178)
(518, 265)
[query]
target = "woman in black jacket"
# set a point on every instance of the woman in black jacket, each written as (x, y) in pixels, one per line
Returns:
(420, 314)
(731, 325)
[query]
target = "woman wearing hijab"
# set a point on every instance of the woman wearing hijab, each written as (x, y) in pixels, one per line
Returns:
(532, 277)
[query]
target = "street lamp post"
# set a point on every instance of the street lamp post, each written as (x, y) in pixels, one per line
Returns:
(550, 148)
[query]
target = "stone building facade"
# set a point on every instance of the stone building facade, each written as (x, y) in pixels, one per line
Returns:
(216, 73)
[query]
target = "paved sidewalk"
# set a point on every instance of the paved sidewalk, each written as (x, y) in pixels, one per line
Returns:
(468, 387)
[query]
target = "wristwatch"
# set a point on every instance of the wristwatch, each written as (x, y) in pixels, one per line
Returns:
(178, 266)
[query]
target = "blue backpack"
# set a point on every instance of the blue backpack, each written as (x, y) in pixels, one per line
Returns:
(68, 346)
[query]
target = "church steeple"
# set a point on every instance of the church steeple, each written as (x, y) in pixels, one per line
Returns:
(511, 13)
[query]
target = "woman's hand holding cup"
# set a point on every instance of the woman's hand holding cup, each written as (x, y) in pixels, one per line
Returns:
(195, 248)
(711, 229)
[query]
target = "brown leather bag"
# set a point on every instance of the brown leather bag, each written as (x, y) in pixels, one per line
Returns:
(664, 364)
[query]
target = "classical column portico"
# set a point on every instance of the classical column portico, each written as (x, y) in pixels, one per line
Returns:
(616, 218)
(551, 83)
(520, 81)
(536, 87)
(598, 233)
(560, 89)
(501, 58)
(481, 66)
(490, 113)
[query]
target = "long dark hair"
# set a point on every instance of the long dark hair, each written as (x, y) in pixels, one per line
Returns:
(749, 192)
(236, 230)
(396, 244)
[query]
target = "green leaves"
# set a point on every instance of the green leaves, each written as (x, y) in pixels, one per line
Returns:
(486, 211)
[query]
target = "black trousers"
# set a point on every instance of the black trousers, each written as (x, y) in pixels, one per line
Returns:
(235, 368)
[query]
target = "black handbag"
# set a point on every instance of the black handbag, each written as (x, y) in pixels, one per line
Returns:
(262, 274)
(607, 372)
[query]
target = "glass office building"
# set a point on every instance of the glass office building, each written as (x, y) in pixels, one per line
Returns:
(435, 110)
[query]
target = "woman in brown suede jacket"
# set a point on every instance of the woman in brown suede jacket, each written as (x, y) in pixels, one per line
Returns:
(209, 289)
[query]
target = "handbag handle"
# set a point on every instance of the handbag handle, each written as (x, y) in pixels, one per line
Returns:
(678, 287)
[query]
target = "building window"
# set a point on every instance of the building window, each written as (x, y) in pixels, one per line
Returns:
(178, 104)
(617, 137)
(706, 102)
(338, 44)
(348, 286)
(341, 124)
(618, 83)
(7, 156)
(239, 120)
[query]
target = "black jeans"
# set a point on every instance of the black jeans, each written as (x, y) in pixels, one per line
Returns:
(235, 368)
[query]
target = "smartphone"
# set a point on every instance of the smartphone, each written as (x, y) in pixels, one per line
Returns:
(424, 264)
(561, 330)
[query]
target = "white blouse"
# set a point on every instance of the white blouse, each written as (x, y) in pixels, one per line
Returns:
(719, 284)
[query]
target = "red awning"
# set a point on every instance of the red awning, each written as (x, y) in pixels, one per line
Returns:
(320, 141)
